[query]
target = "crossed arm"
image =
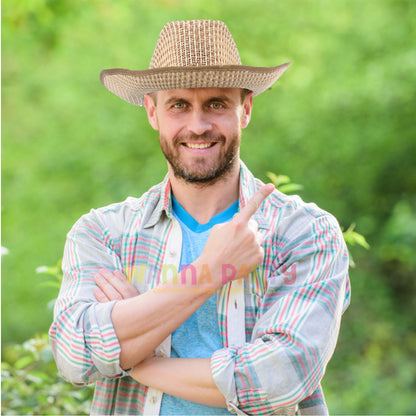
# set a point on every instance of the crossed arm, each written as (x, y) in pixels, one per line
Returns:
(141, 322)
(187, 378)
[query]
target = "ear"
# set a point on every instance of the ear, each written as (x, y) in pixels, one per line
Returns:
(247, 106)
(151, 111)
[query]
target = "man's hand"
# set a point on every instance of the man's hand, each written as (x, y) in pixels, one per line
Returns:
(113, 286)
(236, 243)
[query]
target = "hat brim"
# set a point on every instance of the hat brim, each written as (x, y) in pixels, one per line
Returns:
(131, 86)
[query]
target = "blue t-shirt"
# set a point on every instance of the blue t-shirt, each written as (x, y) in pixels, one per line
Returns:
(198, 336)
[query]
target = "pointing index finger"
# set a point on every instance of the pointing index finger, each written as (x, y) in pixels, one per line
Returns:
(254, 202)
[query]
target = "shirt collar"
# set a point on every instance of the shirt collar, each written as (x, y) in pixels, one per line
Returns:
(163, 202)
(248, 187)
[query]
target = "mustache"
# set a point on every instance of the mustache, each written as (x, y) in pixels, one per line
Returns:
(206, 137)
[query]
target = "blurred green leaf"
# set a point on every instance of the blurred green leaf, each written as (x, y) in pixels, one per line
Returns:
(24, 362)
(353, 238)
(290, 188)
(283, 184)
(278, 180)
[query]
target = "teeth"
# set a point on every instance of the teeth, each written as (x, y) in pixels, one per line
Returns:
(198, 145)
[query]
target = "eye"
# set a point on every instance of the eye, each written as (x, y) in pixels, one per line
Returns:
(216, 106)
(179, 105)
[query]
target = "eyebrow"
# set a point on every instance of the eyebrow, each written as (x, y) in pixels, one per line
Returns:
(223, 98)
(175, 99)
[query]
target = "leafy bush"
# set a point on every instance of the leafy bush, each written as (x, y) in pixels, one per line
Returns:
(30, 380)
(31, 384)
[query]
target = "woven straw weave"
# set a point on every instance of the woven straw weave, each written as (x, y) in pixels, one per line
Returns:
(195, 43)
(191, 54)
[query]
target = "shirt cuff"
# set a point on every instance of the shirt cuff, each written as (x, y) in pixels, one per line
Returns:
(103, 342)
(222, 368)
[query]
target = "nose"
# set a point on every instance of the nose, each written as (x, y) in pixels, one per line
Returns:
(199, 122)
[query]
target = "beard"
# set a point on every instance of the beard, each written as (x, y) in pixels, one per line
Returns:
(202, 171)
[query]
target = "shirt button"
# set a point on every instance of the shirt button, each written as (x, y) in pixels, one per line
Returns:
(162, 353)
(172, 253)
(153, 399)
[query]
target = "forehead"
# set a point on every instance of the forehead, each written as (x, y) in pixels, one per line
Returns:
(200, 94)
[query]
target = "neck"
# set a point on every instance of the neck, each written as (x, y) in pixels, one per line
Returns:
(205, 201)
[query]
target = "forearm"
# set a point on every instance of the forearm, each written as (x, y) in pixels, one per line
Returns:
(187, 378)
(143, 322)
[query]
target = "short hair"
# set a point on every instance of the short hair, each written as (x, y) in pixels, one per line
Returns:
(244, 92)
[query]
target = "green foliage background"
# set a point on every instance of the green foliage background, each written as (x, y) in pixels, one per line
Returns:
(340, 121)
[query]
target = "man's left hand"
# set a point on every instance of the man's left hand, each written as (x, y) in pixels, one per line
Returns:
(113, 286)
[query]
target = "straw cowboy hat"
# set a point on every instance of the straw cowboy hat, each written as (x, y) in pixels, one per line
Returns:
(191, 54)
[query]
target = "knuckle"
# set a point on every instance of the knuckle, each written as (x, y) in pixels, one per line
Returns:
(252, 235)
(260, 256)
(239, 224)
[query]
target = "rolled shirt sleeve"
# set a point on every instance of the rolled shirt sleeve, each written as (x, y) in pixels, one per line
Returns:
(82, 335)
(297, 323)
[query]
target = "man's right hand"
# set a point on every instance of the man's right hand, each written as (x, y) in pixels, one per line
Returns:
(235, 243)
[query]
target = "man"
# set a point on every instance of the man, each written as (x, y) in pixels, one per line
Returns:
(211, 293)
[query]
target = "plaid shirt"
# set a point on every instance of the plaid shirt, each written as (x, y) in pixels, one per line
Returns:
(279, 326)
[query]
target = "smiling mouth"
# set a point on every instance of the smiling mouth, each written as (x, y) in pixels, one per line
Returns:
(199, 145)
